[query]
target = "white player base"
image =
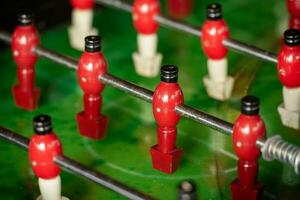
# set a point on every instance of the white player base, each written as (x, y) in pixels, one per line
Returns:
(62, 198)
(148, 67)
(289, 118)
(219, 90)
(76, 37)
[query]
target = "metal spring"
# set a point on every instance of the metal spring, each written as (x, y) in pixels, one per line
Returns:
(276, 148)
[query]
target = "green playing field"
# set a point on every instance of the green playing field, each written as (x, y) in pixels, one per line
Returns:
(208, 158)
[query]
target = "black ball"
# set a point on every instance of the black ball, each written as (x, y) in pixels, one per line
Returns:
(25, 19)
(187, 191)
(42, 124)
(214, 11)
(92, 43)
(169, 74)
(292, 37)
(250, 105)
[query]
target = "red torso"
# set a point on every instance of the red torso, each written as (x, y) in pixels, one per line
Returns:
(246, 131)
(180, 8)
(166, 97)
(42, 151)
(144, 13)
(24, 39)
(82, 4)
(289, 66)
(213, 34)
(91, 66)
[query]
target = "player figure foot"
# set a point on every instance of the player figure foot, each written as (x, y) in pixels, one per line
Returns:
(165, 162)
(62, 198)
(92, 128)
(27, 100)
(148, 67)
(289, 118)
(246, 193)
(219, 90)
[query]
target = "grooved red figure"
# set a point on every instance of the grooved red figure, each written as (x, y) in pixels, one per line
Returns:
(42, 151)
(82, 4)
(180, 8)
(289, 62)
(213, 34)
(24, 39)
(143, 14)
(294, 10)
(167, 95)
(92, 65)
(248, 128)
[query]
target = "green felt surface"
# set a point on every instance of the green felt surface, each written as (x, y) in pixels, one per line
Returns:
(208, 158)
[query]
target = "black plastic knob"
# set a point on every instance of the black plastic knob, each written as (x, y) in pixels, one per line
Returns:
(250, 105)
(42, 124)
(214, 11)
(292, 37)
(92, 43)
(25, 19)
(169, 74)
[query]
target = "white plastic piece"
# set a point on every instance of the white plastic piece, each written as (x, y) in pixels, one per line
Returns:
(82, 22)
(50, 189)
(218, 84)
(147, 61)
(217, 69)
(289, 110)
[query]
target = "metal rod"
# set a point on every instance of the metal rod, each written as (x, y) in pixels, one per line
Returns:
(56, 57)
(205, 119)
(78, 168)
(127, 87)
(183, 27)
(5, 37)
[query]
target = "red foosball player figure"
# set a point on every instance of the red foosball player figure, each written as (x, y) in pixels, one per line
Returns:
(294, 10)
(82, 22)
(44, 146)
(92, 65)
(248, 128)
(214, 31)
(180, 8)
(146, 61)
(289, 75)
(24, 39)
(165, 156)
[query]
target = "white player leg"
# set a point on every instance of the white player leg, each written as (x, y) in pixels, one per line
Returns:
(82, 22)
(50, 189)
(218, 84)
(289, 110)
(147, 61)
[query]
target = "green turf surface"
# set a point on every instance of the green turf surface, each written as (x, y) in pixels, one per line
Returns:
(208, 158)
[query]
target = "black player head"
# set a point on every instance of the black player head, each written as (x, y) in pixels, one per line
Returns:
(250, 105)
(169, 73)
(292, 37)
(187, 191)
(42, 124)
(214, 11)
(92, 43)
(25, 19)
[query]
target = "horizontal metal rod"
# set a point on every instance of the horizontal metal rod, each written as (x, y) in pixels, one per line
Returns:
(127, 87)
(184, 27)
(78, 168)
(205, 119)
(56, 57)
